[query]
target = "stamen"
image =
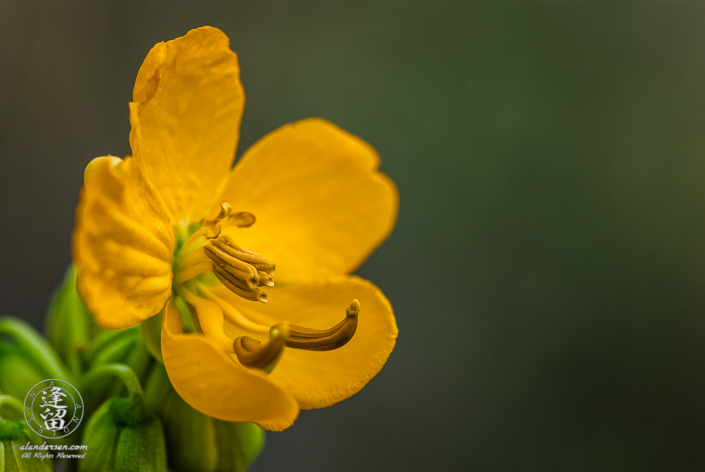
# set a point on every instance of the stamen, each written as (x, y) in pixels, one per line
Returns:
(253, 295)
(240, 270)
(192, 271)
(252, 353)
(193, 258)
(210, 229)
(243, 219)
(265, 279)
(325, 339)
(232, 314)
(210, 319)
(260, 263)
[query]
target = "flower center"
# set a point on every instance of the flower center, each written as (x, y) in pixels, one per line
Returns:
(243, 272)
(206, 250)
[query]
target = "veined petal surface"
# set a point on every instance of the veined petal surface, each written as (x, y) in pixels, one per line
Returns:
(185, 117)
(321, 204)
(122, 244)
(215, 385)
(320, 378)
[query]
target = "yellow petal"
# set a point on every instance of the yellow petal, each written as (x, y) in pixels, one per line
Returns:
(122, 244)
(185, 117)
(321, 205)
(216, 386)
(320, 378)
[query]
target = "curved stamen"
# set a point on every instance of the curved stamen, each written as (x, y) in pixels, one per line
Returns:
(210, 229)
(325, 339)
(252, 353)
(192, 271)
(192, 258)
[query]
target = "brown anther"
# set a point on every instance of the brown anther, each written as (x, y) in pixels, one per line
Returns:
(241, 271)
(213, 226)
(325, 339)
(229, 246)
(265, 279)
(252, 353)
(243, 219)
(225, 210)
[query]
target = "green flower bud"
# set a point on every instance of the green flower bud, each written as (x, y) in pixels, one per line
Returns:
(26, 358)
(196, 442)
(14, 434)
(70, 327)
(110, 347)
(81, 343)
(123, 434)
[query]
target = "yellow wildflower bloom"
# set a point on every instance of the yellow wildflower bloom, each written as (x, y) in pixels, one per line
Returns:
(174, 230)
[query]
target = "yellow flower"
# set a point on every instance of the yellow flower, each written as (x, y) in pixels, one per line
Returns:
(157, 233)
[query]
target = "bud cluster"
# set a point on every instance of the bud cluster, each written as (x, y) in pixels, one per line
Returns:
(133, 418)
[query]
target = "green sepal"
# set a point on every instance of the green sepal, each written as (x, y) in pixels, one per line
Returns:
(10, 408)
(14, 434)
(26, 358)
(196, 442)
(70, 326)
(123, 434)
(101, 437)
(110, 347)
(137, 445)
(238, 444)
(19, 375)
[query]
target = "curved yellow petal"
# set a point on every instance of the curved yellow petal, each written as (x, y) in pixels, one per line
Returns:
(321, 205)
(320, 378)
(122, 244)
(216, 386)
(185, 117)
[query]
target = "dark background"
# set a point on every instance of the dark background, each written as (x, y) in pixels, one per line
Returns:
(548, 267)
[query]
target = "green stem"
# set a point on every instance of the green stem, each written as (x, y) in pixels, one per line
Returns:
(35, 346)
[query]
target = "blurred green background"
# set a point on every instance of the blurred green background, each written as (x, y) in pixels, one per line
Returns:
(548, 266)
